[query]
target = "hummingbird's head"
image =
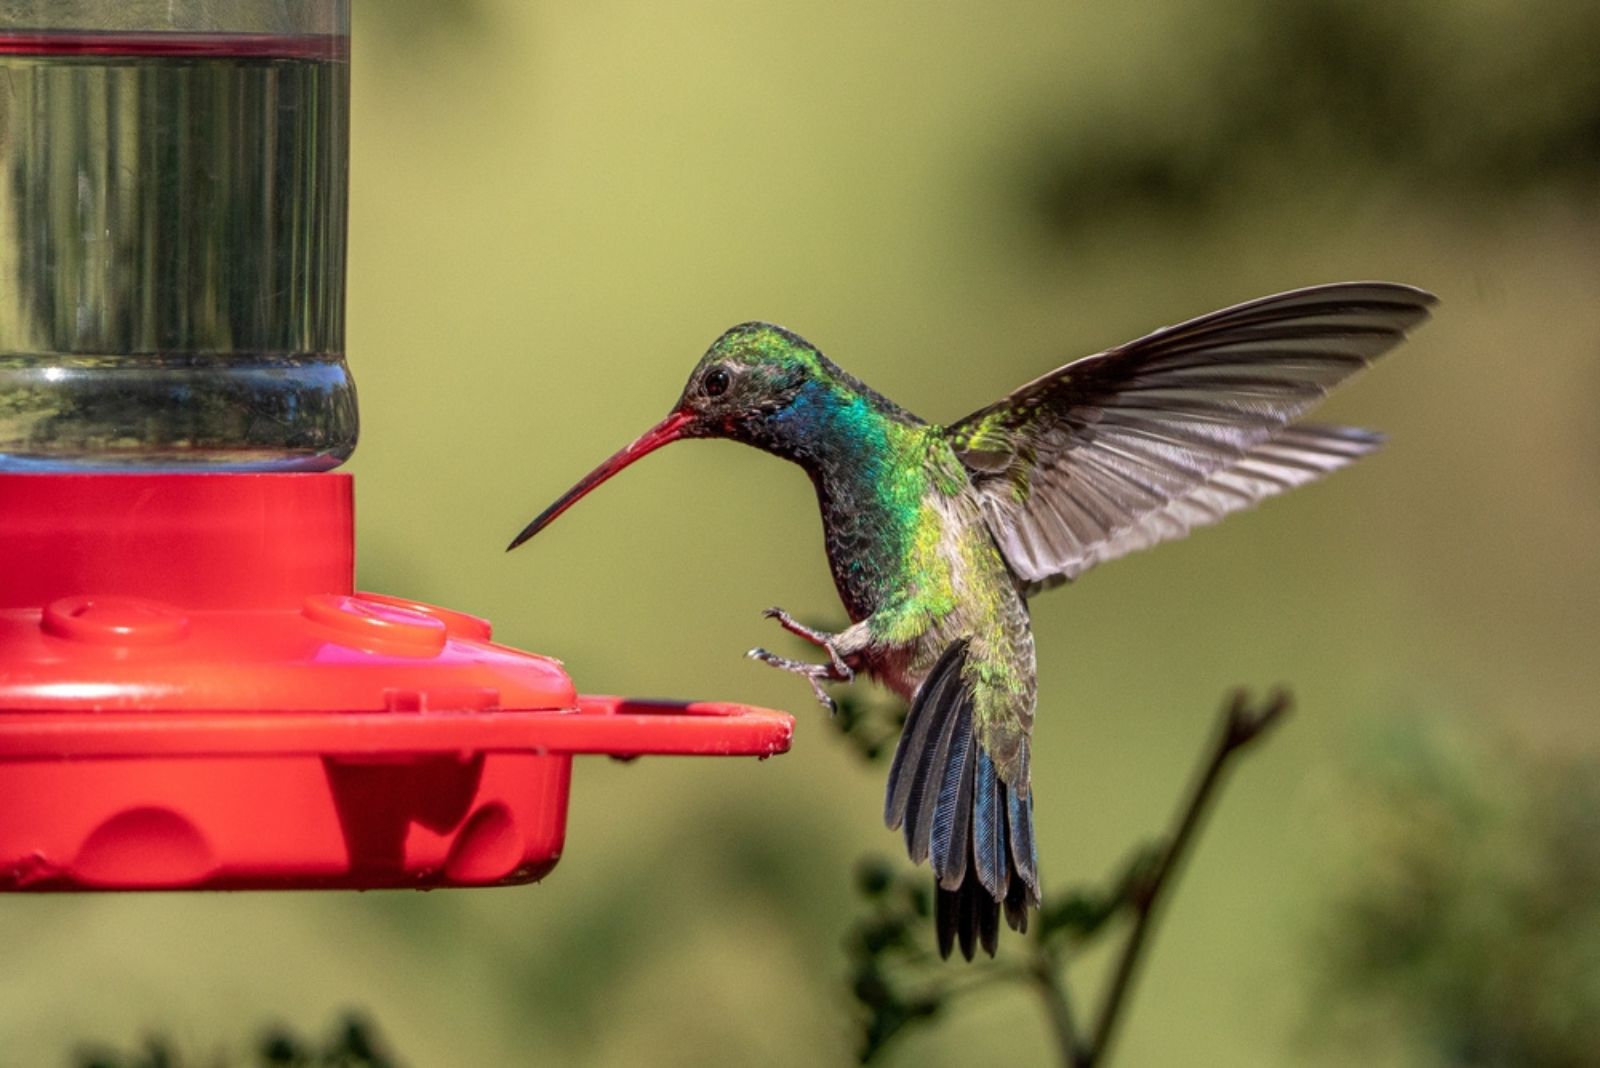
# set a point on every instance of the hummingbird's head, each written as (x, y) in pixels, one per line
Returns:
(749, 375)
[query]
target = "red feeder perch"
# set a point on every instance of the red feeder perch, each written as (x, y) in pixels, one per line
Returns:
(192, 695)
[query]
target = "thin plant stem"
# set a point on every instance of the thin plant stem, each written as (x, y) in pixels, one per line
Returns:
(1240, 726)
(1058, 1006)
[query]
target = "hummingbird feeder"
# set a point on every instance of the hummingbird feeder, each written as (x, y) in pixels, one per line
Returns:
(192, 693)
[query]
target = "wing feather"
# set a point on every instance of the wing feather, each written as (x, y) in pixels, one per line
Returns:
(1293, 457)
(1144, 442)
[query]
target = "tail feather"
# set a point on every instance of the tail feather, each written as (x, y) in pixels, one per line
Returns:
(970, 914)
(931, 776)
(952, 820)
(989, 829)
(967, 917)
(975, 830)
(1019, 814)
(1019, 898)
(987, 915)
(910, 755)
(946, 919)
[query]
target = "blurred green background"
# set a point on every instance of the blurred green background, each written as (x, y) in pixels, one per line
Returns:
(556, 207)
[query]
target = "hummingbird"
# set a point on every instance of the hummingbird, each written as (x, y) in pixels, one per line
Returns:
(937, 535)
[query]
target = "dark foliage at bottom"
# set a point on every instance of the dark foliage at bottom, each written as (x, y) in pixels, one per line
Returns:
(353, 1042)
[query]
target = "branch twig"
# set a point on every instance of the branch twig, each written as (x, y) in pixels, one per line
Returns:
(1240, 726)
(1058, 1005)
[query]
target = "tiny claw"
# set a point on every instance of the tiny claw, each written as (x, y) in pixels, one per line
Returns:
(822, 695)
(771, 613)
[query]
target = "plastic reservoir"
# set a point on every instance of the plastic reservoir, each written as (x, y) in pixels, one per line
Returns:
(173, 186)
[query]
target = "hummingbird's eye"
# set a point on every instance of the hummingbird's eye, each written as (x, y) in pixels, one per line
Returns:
(716, 382)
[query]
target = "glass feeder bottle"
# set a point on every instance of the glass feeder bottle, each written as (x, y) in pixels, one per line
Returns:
(172, 235)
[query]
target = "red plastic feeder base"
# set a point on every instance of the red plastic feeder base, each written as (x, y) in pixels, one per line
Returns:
(192, 697)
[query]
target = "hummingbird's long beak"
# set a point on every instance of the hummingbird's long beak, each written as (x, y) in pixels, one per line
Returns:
(665, 432)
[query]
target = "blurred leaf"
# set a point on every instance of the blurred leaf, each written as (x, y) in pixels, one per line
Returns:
(873, 876)
(155, 1052)
(1076, 914)
(353, 1043)
(1432, 94)
(1467, 918)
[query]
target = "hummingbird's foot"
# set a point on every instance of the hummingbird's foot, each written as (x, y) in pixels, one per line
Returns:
(795, 627)
(815, 674)
(842, 671)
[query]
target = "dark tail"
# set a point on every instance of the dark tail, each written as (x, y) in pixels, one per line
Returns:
(957, 813)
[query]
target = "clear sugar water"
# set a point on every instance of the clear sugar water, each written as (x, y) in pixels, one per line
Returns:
(172, 237)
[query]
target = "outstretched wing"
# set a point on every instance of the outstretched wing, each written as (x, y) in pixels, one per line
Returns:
(1143, 442)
